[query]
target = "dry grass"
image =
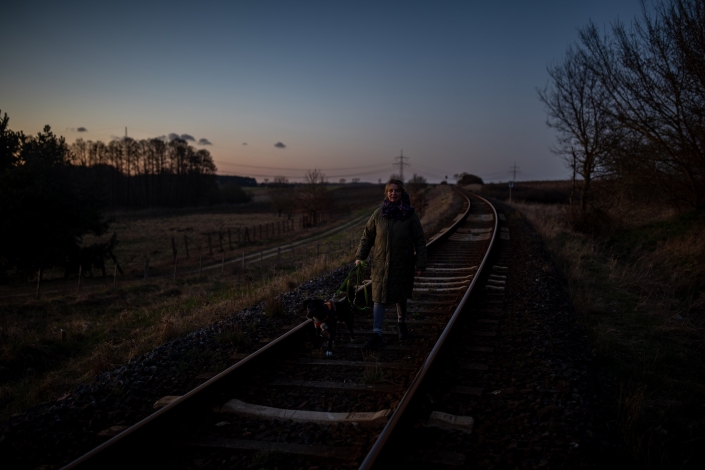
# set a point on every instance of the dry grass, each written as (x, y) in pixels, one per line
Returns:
(442, 202)
(143, 239)
(107, 326)
(640, 292)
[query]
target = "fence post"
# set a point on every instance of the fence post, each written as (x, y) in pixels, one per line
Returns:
(238, 235)
(115, 276)
(146, 269)
(220, 239)
(222, 264)
(243, 260)
(186, 244)
(306, 253)
(80, 271)
(230, 240)
(39, 280)
(260, 256)
(200, 265)
(176, 264)
(173, 246)
(210, 245)
(279, 255)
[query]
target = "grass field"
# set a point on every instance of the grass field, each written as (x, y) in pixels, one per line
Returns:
(639, 289)
(105, 326)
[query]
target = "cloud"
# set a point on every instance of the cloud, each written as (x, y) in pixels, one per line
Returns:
(279, 145)
(187, 137)
(81, 129)
(203, 141)
(173, 136)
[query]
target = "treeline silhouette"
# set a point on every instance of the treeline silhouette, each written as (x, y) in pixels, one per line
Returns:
(53, 194)
(47, 204)
(151, 172)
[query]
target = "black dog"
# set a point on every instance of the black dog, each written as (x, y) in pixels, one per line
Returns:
(325, 316)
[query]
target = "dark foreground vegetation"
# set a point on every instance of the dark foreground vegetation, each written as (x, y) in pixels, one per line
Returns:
(637, 282)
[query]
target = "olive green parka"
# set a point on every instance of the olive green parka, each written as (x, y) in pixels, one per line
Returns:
(393, 258)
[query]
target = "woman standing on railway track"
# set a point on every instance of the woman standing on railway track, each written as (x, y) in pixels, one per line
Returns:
(400, 252)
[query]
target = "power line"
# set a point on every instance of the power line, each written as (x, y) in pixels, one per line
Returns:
(300, 176)
(366, 167)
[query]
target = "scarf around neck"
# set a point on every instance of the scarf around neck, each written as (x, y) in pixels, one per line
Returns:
(397, 210)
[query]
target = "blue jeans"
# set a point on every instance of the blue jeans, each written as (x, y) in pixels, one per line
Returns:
(378, 316)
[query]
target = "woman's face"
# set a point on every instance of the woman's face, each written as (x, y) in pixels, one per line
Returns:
(393, 193)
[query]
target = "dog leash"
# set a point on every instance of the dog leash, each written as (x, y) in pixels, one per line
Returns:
(356, 272)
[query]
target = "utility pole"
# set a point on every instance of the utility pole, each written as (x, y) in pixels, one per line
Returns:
(402, 163)
(511, 183)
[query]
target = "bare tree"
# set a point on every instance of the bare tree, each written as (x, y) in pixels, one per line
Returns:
(654, 75)
(575, 105)
(281, 194)
(79, 152)
(312, 196)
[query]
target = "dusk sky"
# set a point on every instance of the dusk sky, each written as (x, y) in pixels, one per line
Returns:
(344, 86)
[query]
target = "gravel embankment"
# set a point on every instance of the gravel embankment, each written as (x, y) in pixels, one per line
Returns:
(53, 434)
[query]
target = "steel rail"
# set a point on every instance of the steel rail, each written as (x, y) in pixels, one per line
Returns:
(111, 453)
(376, 455)
(140, 433)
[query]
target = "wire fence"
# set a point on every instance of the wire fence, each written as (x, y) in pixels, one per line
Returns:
(225, 259)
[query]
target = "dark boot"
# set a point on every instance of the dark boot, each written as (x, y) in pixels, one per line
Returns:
(375, 342)
(403, 331)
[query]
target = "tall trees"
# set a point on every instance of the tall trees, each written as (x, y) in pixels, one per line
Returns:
(631, 102)
(149, 172)
(575, 104)
(46, 203)
(654, 73)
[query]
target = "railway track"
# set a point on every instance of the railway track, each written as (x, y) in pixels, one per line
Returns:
(288, 406)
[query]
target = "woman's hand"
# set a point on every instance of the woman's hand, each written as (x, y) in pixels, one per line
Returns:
(357, 261)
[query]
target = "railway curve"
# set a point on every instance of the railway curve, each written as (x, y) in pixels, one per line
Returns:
(227, 413)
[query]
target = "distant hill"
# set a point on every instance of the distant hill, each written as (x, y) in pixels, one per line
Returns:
(242, 181)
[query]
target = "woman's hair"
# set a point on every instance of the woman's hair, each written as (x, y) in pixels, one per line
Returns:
(398, 183)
